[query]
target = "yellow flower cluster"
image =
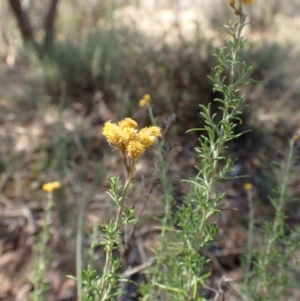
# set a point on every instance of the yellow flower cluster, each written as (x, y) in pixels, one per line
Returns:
(128, 139)
(49, 187)
(145, 100)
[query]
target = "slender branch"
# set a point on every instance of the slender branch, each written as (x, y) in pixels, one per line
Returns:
(26, 28)
(49, 23)
(23, 21)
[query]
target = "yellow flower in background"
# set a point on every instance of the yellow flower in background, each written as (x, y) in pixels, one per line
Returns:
(145, 100)
(128, 139)
(247, 2)
(237, 5)
(147, 97)
(248, 186)
(49, 187)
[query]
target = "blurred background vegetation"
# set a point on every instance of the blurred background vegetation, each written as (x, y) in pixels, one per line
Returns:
(68, 66)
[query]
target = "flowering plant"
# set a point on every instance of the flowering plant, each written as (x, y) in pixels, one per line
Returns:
(132, 143)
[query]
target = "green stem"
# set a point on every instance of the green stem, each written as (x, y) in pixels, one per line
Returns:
(250, 233)
(109, 250)
(80, 219)
(217, 146)
(42, 253)
(121, 205)
(151, 115)
(164, 180)
(278, 219)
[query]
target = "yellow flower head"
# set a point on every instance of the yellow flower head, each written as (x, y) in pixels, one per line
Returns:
(128, 139)
(146, 140)
(145, 100)
(127, 123)
(135, 149)
(148, 135)
(112, 133)
(49, 187)
(154, 131)
(248, 186)
(128, 134)
(147, 97)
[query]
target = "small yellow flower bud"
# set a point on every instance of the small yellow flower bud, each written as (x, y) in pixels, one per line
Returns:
(248, 186)
(49, 187)
(147, 97)
(145, 100)
(142, 102)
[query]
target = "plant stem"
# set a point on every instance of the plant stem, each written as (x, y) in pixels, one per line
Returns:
(217, 144)
(278, 217)
(250, 233)
(43, 257)
(121, 205)
(80, 218)
(109, 250)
